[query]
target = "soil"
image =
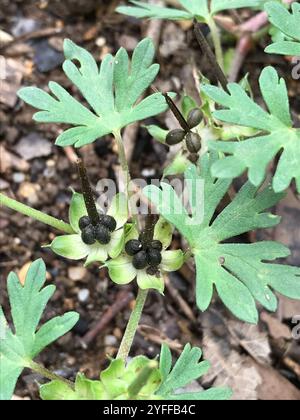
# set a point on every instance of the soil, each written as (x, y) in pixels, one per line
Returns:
(40, 174)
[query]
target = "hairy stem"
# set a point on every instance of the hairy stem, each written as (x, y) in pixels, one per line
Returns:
(35, 214)
(215, 34)
(132, 325)
(48, 374)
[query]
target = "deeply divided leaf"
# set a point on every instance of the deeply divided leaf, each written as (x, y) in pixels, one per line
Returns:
(18, 346)
(277, 134)
(112, 92)
(198, 9)
(288, 23)
(187, 368)
(240, 273)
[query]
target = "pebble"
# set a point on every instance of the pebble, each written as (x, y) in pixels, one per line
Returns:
(29, 191)
(33, 146)
(100, 42)
(77, 273)
(110, 340)
(24, 26)
(46, 58)
(18, 177)
(83, 295)
(3, 184)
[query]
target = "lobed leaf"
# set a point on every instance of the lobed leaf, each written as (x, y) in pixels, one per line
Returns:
(276, 133)
(289, 25)
(198, 9)
(186, 369)
(112, 92)
(240, 273)
(27, 302)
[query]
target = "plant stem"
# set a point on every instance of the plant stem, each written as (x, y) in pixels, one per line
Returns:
(48, 374)
(215, 34)
(126, 173)
(35, 214)
(123, 161)
(132, 325)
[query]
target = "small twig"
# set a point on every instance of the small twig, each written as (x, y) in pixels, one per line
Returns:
(123, 299)
(157, 337)
(248, 30)
(71, 154)
(179, 300)
(205, 48)
(87, 193)
(243, 47)
(41, 33)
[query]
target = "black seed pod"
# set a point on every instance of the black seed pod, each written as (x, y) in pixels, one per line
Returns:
(175, 136)
(156, 245)
(133, 247)
(109, 222)
(139, 261)
(193, 142)
(195, 117)
(153, 257)
(88, 235)
(152, 271)
(84, 221)
(102, 234)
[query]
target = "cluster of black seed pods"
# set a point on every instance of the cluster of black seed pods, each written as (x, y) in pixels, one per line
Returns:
(145, 255)
(192, 140)
(101, 231)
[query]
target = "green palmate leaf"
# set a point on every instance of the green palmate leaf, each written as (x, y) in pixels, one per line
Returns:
(198, 9)
(112, 91)
(18, 348)
(288, 24)
(281, 136)
(241, 273)
(186, 369)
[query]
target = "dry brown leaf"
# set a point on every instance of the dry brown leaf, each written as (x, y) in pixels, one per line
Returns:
(252, 340)
(12, 72)
(288, 231)
(276, 328)
(275, 386)
(229, 368)
(9, 160)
